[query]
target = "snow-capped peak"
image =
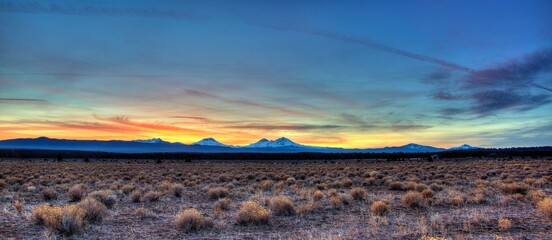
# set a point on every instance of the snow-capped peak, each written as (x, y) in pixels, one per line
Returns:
(152, 140)
(463, 147)
(209, 142)
(280, 142)
(414, 146)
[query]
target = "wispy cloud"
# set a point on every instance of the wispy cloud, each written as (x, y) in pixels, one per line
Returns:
(364, 42)
(90, 10)
(505, 86)
(23, 100)
(270, 127)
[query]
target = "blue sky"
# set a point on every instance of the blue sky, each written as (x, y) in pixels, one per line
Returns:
(337, 73)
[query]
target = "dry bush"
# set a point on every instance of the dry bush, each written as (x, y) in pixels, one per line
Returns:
(379, 208)
(504, 224)
(545, 206)
(135, 196)
(218, 192)
(49, 194)
(253, 213)
(107, 197)
(143, 213)
(335, 202)
(94, 209)
(428, 193)
(309, 207)
(346, 198)
(318, 195)
(282, 205)
(153, 196)
(191, 220)
(413, 199)
(223, 204)
(18, 206)
(176, 190)
(536, 196)
(77, 192)
(128, 188)
(515, 188)
(359, 194)
(266, 185)
(67, 220)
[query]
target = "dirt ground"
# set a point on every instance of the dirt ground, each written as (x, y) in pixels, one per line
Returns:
(453, 199)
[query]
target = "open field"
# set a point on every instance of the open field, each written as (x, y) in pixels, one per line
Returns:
(469, 199)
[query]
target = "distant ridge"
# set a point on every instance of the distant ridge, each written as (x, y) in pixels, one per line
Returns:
(206, 145)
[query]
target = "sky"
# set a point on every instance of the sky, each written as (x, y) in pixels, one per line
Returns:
(327, 73)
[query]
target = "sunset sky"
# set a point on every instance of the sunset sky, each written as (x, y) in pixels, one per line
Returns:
(332, 73)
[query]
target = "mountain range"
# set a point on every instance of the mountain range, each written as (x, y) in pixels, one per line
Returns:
(207, 145)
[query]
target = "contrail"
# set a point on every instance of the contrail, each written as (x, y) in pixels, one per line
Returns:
(51, 8)
(368, 43)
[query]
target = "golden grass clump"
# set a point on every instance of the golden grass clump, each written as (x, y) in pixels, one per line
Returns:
(136, 196)
(545, 206)
(504, 224)
(359, 194)
(253, 213)
(77, 192)
(413, 199)
(107, 197)
(94, 209)
(191, 220)
(153, 196)
(379, 208)
(49, 194)
(218, 192)
(282, 205)
(143, 213)
(223, 204)
(67, 220)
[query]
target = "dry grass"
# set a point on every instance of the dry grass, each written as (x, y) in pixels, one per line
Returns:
(282, 205)
(460, 199)
(379, 208)
(253, 213)
(413, 199)
(191, 220)
(218, 192)
(545, 206)
(67, 220)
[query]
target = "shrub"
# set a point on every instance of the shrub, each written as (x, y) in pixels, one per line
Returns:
(335, 202)
(218, 192)
(153, 196)
(282, 205)
(176, 190)
(128, 188)
(67, 220)
(107, 197)
(49, 194)
(253, 213)
(191, 220)
(143, 213)
(413, 199)
(309, 207)
(77, 192)
(266, 185)
(318, 195)
(504, 224)
(345, 198)
(428, 193)
(359, 194)
(18, 207)
(515, 188)
(545, 206)
(223, 204)
(396, 186)
(95, 210)
(135, 196)
(379, 208)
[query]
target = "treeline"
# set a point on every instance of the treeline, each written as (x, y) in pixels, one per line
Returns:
(532, 152)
